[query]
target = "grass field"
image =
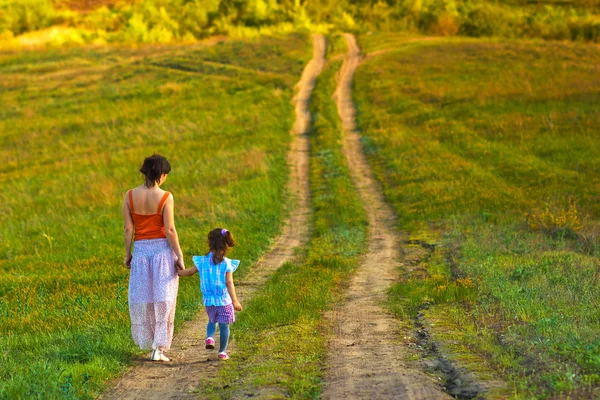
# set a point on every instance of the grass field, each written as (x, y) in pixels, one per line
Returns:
(489, 150)
(75, 126)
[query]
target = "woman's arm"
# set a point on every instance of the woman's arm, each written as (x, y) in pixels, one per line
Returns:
(231, 290)
(127, 232)
(171, 232)
(187, 271)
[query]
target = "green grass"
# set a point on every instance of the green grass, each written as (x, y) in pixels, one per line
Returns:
(280, 346)
(470, 138)
(75, 126)
(487, 149)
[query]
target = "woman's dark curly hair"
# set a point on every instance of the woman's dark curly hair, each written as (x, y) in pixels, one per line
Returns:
(153, 168)
(219, 240)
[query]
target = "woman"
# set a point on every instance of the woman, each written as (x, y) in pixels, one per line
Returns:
(153, 280)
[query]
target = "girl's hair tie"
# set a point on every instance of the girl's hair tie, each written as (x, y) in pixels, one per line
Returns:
(224, 232)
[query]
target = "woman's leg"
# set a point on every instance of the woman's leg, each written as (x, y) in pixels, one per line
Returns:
(223, 337)
(161, 288)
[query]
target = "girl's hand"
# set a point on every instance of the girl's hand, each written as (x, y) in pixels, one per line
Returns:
(237, 306)
(127, 261)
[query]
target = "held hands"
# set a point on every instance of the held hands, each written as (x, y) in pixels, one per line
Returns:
(179, 263)
(127, 261)
(237, 306)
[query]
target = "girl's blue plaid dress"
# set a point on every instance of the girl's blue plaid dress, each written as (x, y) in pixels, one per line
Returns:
(212, 279)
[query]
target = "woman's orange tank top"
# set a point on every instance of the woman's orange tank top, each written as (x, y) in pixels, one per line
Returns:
(148, 226)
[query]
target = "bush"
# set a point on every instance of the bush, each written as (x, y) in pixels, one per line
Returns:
(151, 24)
(6, 35)
(198, 16)
(481, 21)
(446, 25)
(549, 24)
(259, 12)
(586, 28)
(556, 220)
(380, 16)
(440, 17)
(20, 16)
(104, 19)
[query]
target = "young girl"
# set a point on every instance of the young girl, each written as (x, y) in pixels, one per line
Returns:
(218, 290)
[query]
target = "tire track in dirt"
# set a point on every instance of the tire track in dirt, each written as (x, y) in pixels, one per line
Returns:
(190, 363)
(366, 358)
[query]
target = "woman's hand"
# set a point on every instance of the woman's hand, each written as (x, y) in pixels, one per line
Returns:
(237, 306)
(127, 261)
(179, 263)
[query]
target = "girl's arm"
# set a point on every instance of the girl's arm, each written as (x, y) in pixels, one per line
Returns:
(187, 272)
(171, 232)
(127, 232)
(231, 289)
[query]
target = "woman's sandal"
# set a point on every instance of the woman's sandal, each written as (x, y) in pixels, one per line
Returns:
(157, 355)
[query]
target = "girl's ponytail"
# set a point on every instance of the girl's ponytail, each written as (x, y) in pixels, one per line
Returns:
(219, 240)
(228, 237)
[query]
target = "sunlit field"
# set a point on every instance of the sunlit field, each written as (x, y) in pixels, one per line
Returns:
(480, 119)
(490, 151)
(75, 126)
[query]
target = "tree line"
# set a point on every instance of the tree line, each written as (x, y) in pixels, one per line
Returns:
(165, 21)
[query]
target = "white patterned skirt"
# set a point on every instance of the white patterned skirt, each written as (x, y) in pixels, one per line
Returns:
(153, 284)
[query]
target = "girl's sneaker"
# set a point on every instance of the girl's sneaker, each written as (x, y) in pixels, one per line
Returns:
(210, 343)
(157, 355)
(223, 356)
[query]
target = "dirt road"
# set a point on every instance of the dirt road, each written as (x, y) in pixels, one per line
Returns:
(181, 378)
(366, 358)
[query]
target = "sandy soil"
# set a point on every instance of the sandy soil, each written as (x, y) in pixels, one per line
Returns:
(366, 358)
(190, 362)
